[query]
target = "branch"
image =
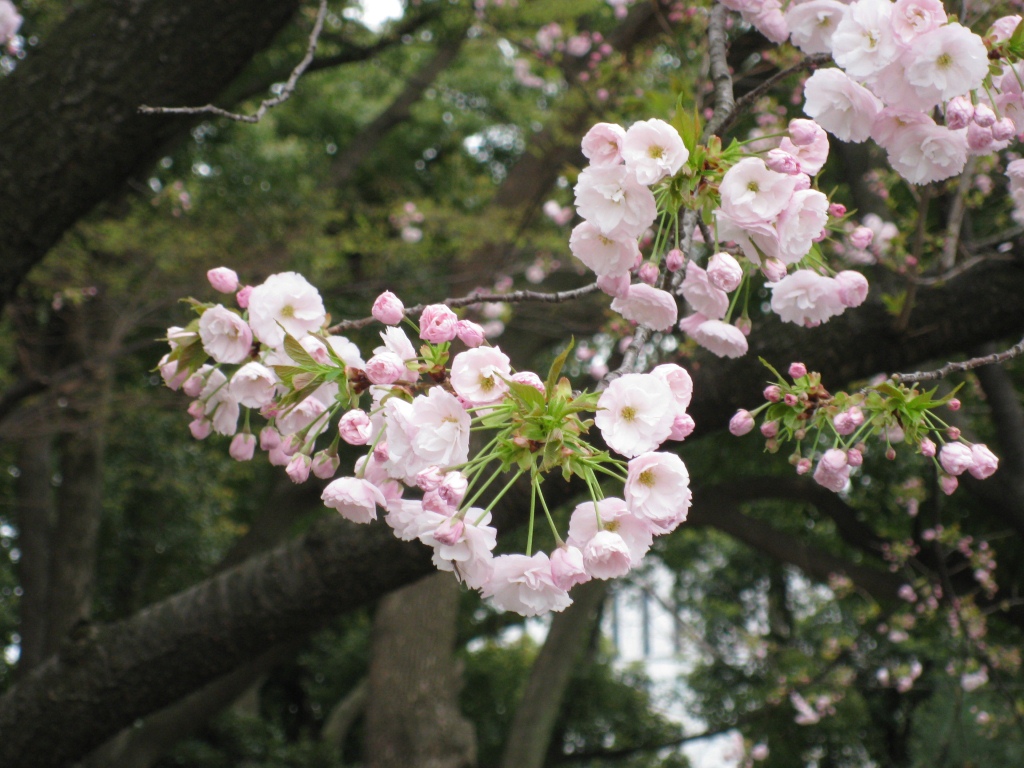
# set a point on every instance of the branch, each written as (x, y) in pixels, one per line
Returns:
(747, 100)
(286, 91)
(725, 101)
(967, 365)
(478, 297)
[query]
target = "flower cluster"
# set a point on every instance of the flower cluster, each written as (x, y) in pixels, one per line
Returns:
(801, 410)
(414, 413)
(898, 61)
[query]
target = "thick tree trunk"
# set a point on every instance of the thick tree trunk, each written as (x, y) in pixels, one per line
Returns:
(412, 713)
(71, 130)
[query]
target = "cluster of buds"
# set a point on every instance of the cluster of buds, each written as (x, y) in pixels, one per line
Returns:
(414, 410)
(799, 409)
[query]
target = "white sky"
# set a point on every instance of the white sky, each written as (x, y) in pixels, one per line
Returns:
(373, 13)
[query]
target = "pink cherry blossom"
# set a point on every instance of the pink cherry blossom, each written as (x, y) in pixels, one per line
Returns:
(225, 336)
(437, 324)
(717, 337)
(471, 334)
(678, 381)
(298, 467)
(616, 286)
(927, 152)
(946, 62)
(223, 279)
(833, 470)
(567, 569)
(724, 272)
(658, 490)
(956, 458)
(653, 150)
(606, 555)
(525, 585)
(602, 144)
(286, 299)
(243, 445)
(613, 200)
(479, 375)
(356, 500)
(635, 413)
(354, 427)
(839, 105)
(984, 463)
(800, 224)
(603, 254)
(752, 193)
(705, 298)
(741, 423)
(813, 23)
(649, 306)
(471, 552)
(388, 309)
(864, 41)
(325, 465)
(853, 288)
(806, 298)
(253, 385)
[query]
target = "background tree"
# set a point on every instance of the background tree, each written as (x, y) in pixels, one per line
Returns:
(150, 578)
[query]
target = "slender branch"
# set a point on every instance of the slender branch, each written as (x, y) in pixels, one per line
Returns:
(725, 101)
(959, 269)
(967, 365)
(956, 217)
(479, 297)
(747, 100)
(286, 91)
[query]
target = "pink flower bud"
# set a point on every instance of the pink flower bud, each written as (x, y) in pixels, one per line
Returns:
(531, 379)
(223, 279)
(724, 272)
(567, 568)
(773, 270)
(837, 210)
(385, 368)
(854, 457)
(194, 384)
(927, 447)
(243, 445)
(1003, 129)
(844, 423)
(437, 324)
(953, 433)
(270, 439)
(791, 400)
(388, 309)
(278, 457)
(200, 428)
(682, 427)
(984, 116)
(782, 162)
(471, 334)
(744, 325)
(803, 132)
(380, 452)
(325, 464)
(449, 532)
(354, 427)
(242, 297)
(953, 404)
(834, 459)
(803, 466)
(770, 429)
(648, 273)
(741, 423)
(853, 288)
(616, 286)
(197, 409)
(948, 484)
(959, 112)
(772, 393)
(979, 138)
(298, 468)
(453, 488)
(984, 462)
(674, 260)
(797, 370)
(861, 237)
(890, 453)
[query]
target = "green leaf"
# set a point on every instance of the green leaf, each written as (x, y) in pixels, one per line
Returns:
(529, 395)
(556, 368)
(297, 352)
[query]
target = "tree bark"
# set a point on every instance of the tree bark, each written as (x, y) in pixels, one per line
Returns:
(412, 713)
(72, 133)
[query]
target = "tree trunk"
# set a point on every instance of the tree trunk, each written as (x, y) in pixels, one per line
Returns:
(534, 722)
(72, 133)
(412, 714)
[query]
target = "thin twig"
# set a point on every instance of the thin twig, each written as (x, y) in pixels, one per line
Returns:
(959, 269)
(286, 91)
(956, 217)
(478, 297)
(747, 99)
(967, 365)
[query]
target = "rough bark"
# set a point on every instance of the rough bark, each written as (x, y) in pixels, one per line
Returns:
(112, 675)
(70, 122)
(536, 714)
(412, 712)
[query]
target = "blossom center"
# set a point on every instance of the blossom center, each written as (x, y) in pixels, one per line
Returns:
(611, 525)
(944, 61)
(287, 311)
(647, 478)
(628, 413)
(486, 383)
(753, 187)
(655, 152)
